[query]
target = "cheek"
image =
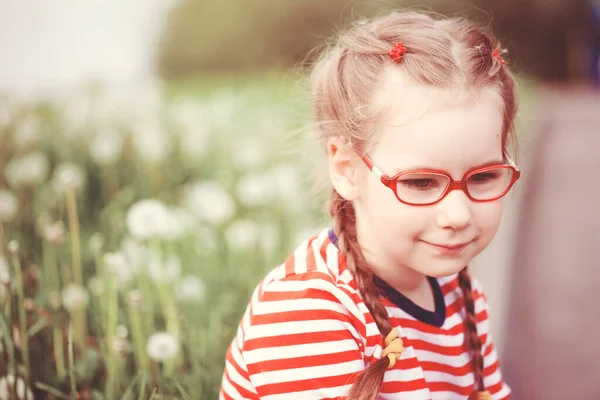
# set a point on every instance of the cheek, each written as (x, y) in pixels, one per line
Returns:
(377, 199)
(393, 219)
(487, 217)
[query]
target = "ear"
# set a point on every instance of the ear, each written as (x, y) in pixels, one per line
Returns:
(342, 171)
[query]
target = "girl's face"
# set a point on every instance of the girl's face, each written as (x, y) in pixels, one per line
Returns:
(428, 129)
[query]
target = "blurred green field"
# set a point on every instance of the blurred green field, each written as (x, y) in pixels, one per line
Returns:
(136, 221)
(230, 194)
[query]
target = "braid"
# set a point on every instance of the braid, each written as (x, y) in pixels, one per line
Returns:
(472, 339)
(367, 384)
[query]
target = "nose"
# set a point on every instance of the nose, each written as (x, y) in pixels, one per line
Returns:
(454, 211)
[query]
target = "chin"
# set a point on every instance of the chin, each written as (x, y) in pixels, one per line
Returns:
(437, 268)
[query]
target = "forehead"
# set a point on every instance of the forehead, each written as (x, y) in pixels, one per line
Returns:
(446, 129)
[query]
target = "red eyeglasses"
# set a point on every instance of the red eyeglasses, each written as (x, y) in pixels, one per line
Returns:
(426, 187)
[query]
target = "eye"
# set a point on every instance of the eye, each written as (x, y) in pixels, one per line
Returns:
(419, 184)
(484, 177)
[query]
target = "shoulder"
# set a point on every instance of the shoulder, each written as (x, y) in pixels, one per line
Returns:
(307, 286)
(450, 285)
(314, 264)
(454, 296)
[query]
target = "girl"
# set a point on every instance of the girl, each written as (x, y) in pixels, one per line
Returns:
(415, 114)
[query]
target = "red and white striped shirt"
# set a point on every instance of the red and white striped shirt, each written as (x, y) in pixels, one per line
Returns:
(306, 334)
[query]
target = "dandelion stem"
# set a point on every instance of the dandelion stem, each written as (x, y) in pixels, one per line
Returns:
(111, 328)
(143, 384)
(138, 338)
(166, 301)
(147, 311)
(168, 306)
(59, 352)
(72, 365)
(65, 273)
(51, 274)
(51, 390)
(102, 314)
(6, 330)
(2, 238)
(22, 317)
(74, 235)
(79, 316)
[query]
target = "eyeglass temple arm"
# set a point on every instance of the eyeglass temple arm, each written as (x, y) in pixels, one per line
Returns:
(510, 161)
(380, 175)
(376, 171)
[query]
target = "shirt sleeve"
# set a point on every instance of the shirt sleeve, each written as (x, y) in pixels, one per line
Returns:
(491, 365)
(301, 341)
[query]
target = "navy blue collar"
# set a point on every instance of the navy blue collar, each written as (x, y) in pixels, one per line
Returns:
(435, 318)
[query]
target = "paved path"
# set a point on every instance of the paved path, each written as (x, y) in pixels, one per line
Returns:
(543, 265)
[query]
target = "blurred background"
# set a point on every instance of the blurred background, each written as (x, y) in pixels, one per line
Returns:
(156, 162)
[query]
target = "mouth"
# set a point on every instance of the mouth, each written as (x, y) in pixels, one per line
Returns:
(449, 248)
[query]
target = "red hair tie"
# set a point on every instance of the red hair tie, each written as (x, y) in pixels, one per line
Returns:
(496, 54)
(397, 52)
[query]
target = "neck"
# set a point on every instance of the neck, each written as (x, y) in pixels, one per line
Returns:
(402, 278)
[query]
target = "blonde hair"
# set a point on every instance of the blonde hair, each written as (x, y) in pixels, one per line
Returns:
(443, 53)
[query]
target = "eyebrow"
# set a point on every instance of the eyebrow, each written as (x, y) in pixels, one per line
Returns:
(429, 167)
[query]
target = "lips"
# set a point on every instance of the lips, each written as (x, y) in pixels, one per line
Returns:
(449, 246)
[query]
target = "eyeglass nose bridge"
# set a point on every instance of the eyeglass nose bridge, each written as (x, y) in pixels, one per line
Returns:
(457, 185)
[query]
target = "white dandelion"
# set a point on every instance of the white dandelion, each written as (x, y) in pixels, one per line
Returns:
(96, 243)
(116, 264)
(8, 382)
(242, 234)
(106, 148)
(5, 115)
(306, 233)
(248, 153)
(27, 132)
(54, 232)
(75, 298)
(269, 238)
(67, 176)
(223, 106)
(29, 169)
(96, 286)
(206, 242)
(162, 346)
(190, 289)
(135, 252)
(271, 122)
(164, 271)
(287, 180)
(122, 331)
(254, 190)
(182, 223)
(54, 300)
(151, 143)
(120, 345)
(193, 127)
(193, 142)
(149, 219)
(145, 97)
(187, 112)
(134, 298)
(4, 271)
(9, 205)
(288, 184)
(4, 276)
(209, 202)
(13, 246)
